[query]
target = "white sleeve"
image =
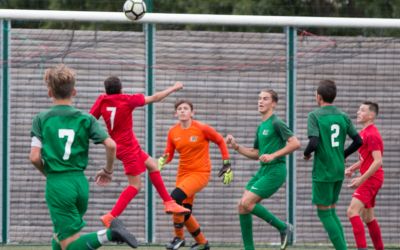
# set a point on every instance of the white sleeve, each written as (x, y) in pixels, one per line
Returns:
(36, 142)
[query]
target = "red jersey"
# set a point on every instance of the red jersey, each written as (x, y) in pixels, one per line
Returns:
(372, 141)
(192, 144)
(117, 111)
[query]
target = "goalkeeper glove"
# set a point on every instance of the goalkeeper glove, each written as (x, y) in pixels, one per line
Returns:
(226, 172)
(162, 161)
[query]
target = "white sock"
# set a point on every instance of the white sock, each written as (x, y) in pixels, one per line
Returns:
(102, 236)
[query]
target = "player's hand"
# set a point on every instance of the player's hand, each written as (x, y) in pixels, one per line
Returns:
(266, 158)
(178, 86)
(162, 161)
(231, 142)
(355, 182)
(226, 172)
(348, 172)
(307, 157)
(103, 177)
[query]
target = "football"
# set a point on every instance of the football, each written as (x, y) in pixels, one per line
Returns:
(134, 9)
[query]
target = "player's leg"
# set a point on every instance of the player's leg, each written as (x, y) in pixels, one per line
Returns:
(116, 233)
(170, 206)
(123, 200)
(323, 196)
(374, 229)
(269, 181)
(133, 168)
(246, 224)
(353, 213)
(370, 191)
(178, 221)
(193, 227)
(190, 185)
(337, 187)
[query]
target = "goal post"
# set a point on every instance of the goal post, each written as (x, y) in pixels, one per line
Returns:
(222, 74)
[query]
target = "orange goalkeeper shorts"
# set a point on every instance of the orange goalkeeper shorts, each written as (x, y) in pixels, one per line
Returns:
(191, 183)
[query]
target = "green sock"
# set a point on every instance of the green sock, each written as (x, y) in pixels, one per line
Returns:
(331, 227)
(246, 226)
(55, 245)
(339, 224)
(88, 241)
(263, 213)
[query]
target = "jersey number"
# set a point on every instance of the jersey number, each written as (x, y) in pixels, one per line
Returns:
(70, 134)
(335, 133)
(113, 110)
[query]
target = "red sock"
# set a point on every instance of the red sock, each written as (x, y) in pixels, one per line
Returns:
(158, 183)
(124, 198)
(375, 233)
(358, 231)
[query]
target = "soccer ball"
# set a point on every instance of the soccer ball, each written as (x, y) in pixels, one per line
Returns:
(134, 9)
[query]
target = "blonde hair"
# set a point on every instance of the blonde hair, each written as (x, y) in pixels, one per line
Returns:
(60, 80)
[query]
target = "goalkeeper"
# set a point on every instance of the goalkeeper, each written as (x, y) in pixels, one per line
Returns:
(273, 142)
(190, 139)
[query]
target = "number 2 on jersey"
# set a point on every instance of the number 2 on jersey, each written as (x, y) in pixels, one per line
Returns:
(70, 134)
(335, 133)
(113, 110)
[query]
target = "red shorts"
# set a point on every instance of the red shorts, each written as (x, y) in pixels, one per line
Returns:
(367, 192)
(133, 161)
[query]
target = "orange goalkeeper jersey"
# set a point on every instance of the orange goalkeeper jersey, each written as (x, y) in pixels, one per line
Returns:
(192, 144)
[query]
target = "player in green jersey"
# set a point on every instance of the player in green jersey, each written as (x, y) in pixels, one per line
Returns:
(59, 150)
(274, 140)
(327, 129)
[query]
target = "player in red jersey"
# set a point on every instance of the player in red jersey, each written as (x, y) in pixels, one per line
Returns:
(369, 182)
(116, 109)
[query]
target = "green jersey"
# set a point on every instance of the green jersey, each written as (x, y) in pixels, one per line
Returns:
(331, 126)
(272, 135)
(64, 133)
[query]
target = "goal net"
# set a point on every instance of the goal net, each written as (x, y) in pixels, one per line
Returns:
(222, 73)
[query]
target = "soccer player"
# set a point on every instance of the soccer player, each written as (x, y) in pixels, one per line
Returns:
(116, 109)
(274, 140)
(191, 138)
(59, 150)
(368, 184)
(327, 130)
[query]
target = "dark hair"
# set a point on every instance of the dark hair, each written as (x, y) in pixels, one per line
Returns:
(273, 94)
(112, 85)
(60, 80)
(372, 106)
(327, 90)
(178, 103)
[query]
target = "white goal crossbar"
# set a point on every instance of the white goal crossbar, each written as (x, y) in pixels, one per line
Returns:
(203, 19)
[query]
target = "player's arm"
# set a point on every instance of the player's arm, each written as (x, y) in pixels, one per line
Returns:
(292, 144)
(104, 176)
(356, 144)
(350, 170)
(377, 156)
(311, 147)
(95, 110)
(226, 171)
(36, 158)
(216, 138)
(251, 153)
(111, 149)
(158, 96)
(168, 153)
